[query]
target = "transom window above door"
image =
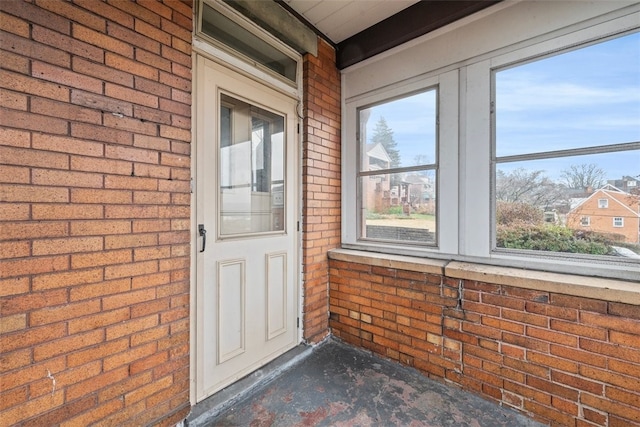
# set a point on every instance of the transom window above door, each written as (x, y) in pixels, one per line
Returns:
(232, 32)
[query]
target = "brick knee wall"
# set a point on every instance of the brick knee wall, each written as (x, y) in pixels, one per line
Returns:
(561, 359)
(95, 215)
(320, 185)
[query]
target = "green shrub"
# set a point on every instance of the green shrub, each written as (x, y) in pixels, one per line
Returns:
(395, 210)
(554, 238)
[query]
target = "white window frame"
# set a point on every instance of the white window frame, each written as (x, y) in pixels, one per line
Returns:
(618, 222)
(446, 170)
(603, 203)
(585, 221)
(465, 180)
(478, 96)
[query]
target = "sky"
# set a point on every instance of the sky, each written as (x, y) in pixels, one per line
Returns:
(413, 121)
(581, 98)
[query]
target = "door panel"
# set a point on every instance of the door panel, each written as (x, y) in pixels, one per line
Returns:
(277, 284)
(246, 200)
(231, 291)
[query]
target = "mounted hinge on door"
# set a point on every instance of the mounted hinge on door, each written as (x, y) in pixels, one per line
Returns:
(298, 322)
(298, 225)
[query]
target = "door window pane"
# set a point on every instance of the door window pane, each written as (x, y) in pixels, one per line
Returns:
(252, 165)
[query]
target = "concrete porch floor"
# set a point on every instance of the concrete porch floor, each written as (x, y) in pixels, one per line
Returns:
(334, 384)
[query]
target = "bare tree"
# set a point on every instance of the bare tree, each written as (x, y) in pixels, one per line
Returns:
(584, 176)
(530, 187)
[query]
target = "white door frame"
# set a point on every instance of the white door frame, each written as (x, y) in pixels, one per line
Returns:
(202, 48)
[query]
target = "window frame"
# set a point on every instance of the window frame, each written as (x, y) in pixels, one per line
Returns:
(515, 61)
(480, 94)
(473, 181)
(586, 223)
(621, 222)
(446, 154)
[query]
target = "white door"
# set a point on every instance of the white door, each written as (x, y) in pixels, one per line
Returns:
(246, 300)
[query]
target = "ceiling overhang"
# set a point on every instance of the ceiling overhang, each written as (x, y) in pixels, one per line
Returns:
(280, 18)
(414, 21)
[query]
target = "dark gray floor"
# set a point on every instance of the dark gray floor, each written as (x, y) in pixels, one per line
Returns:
(337, 385)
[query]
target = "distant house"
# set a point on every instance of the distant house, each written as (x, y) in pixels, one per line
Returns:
(420, 192)
(628, 184)
(608, 210)
(381, 193)
(377, 187)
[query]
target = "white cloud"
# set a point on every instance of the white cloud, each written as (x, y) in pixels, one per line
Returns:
(524, 93)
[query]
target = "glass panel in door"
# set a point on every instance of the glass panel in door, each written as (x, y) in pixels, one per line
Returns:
(252, 164)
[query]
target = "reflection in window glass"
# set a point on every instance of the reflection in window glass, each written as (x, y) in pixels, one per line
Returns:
(252, 161)
(397, 169)
(583, 199)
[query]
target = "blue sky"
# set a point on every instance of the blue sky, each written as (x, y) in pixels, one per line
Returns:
(412, 120)
(582, 98)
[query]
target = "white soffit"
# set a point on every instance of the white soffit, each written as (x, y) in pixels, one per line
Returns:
(341, 19)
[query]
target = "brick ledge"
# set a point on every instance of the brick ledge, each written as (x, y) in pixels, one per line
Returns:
(401, 262)
(569, 284)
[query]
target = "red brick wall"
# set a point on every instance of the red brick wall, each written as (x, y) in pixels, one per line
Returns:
(94, 184)
(320, 184)
(564, 360)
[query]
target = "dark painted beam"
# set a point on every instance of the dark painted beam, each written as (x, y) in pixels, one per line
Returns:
(414, 21)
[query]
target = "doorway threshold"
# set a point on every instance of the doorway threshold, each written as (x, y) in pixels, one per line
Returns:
(204, 412)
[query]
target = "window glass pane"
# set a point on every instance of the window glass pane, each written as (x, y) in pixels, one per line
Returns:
(223, 29)
(252, 159)
(399, 207)
(584, 201)
(399, 133)
(569, 204)
(583, 98)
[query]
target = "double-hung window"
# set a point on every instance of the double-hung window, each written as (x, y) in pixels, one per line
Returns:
(529, 128)
(401, 146)
(397, 173)
(565, 124)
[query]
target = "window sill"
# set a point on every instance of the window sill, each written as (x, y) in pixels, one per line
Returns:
(400, 262)
(569, 284)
